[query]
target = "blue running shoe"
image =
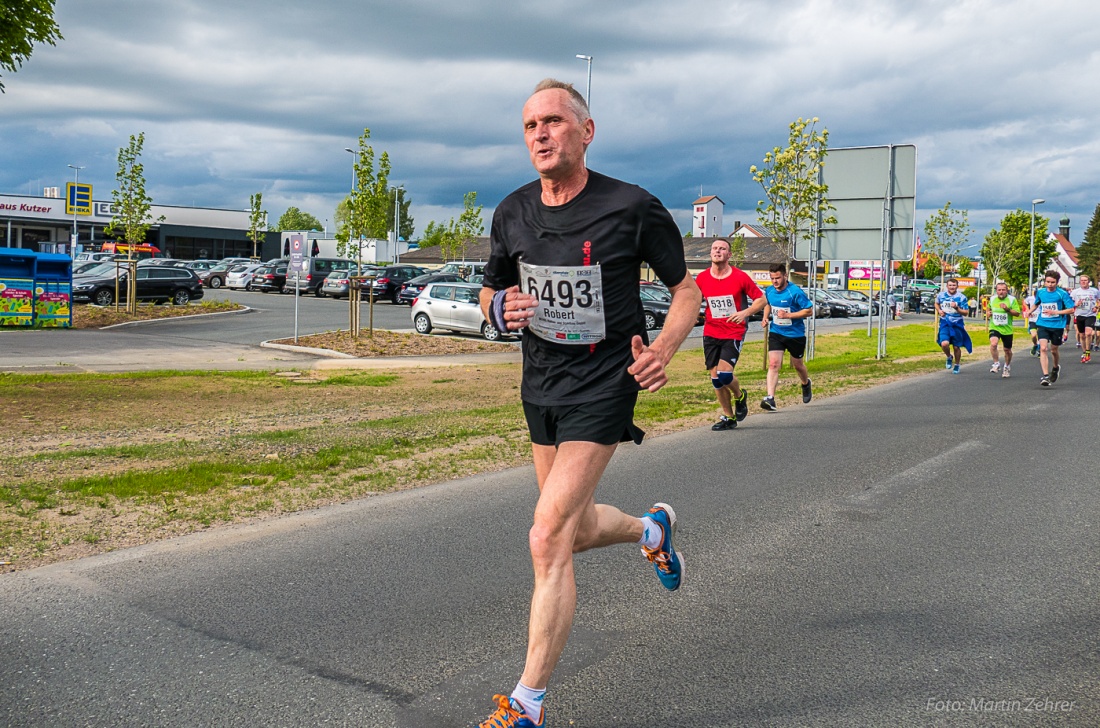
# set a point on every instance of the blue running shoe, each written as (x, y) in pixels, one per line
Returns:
(667, 562)
(509, 714)
(955, 369)
(949, 363)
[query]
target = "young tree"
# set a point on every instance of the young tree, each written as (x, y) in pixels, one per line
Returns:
(1088, 252)
(995, 253)
(461, 233)
(132, 218)
(945, 234)
(963, 267)
(794, 195)
(295, 219)
(257, 222)
(367, 205)
(739, 246)
(433, 234)
(22, 24)
(1016, 229)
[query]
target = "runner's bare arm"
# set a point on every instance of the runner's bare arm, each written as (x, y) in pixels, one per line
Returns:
(767, 315)
(739, 317)
(650, 361)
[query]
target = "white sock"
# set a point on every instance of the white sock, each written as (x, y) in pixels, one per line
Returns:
(529, 699)
(652, 533)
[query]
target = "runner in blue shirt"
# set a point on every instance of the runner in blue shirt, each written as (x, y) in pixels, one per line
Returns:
(784, 312)
(951, 307)
(1055, 306)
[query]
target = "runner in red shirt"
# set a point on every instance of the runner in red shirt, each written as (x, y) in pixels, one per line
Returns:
(731, 297)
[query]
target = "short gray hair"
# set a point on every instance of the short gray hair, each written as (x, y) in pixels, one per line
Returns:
(580, 106)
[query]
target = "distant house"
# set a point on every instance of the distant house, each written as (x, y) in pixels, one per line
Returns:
(1065, 254)
(706, 217)
(477, 251)
(749, 231)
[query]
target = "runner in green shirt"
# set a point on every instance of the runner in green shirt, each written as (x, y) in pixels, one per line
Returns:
(1002, 308)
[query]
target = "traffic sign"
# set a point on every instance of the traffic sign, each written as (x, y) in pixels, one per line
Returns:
(297, 254)
(78, 199)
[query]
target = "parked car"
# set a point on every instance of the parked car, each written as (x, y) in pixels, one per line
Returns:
(836, 306)
(82, 257)
(268, 278)
(414, 286)
(317, 269)
(859, 297)
(840, 306)
(84, 266)
(923, 284)
(240, 276)
(658, 289)
(215, 277)
(338, 282)
(655, 304)
(199, 266)
(462, 268)
(154, 283)
(170, 262)
(452, 306)
(390, 279)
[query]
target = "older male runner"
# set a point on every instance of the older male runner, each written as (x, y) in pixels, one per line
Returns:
(564, 267)
(1002, 308)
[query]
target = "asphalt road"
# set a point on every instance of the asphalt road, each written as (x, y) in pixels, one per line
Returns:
(919, 554)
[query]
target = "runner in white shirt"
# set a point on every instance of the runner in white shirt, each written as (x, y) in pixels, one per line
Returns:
(1085, 298)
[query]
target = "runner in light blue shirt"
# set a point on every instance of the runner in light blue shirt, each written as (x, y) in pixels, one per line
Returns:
(951, 307)
(784, 318)
(1055, 306)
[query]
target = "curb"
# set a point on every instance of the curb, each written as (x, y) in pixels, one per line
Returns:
(328, 353)
(246, 309)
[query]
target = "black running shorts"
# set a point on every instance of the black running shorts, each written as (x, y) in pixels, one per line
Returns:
(1006, 339)
(1054, 336)
(605, 422)
(796, 345)
(1085, 322)
(716, 350)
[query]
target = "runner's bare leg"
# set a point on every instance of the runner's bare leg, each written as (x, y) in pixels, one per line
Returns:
(567, 520)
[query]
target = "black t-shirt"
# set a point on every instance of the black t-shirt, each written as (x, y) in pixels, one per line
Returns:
(611, 224)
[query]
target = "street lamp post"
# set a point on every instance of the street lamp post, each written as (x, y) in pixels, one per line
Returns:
(1031, 258)
(76, 181)
(351, 151)
(588, 88)
(397, 222)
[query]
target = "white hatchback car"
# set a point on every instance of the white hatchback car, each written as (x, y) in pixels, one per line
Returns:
(240, 276)
(451, 306)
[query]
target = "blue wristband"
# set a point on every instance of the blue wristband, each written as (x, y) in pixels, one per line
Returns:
(496, 312)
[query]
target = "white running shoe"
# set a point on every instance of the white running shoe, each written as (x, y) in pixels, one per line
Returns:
(1005, 374)
(995, 368)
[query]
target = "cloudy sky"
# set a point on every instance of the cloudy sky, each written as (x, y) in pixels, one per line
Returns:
(1000, 97)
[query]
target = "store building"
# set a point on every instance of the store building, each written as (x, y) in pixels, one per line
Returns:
(41, 224)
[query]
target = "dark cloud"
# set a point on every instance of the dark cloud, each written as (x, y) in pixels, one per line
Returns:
(263, 96)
